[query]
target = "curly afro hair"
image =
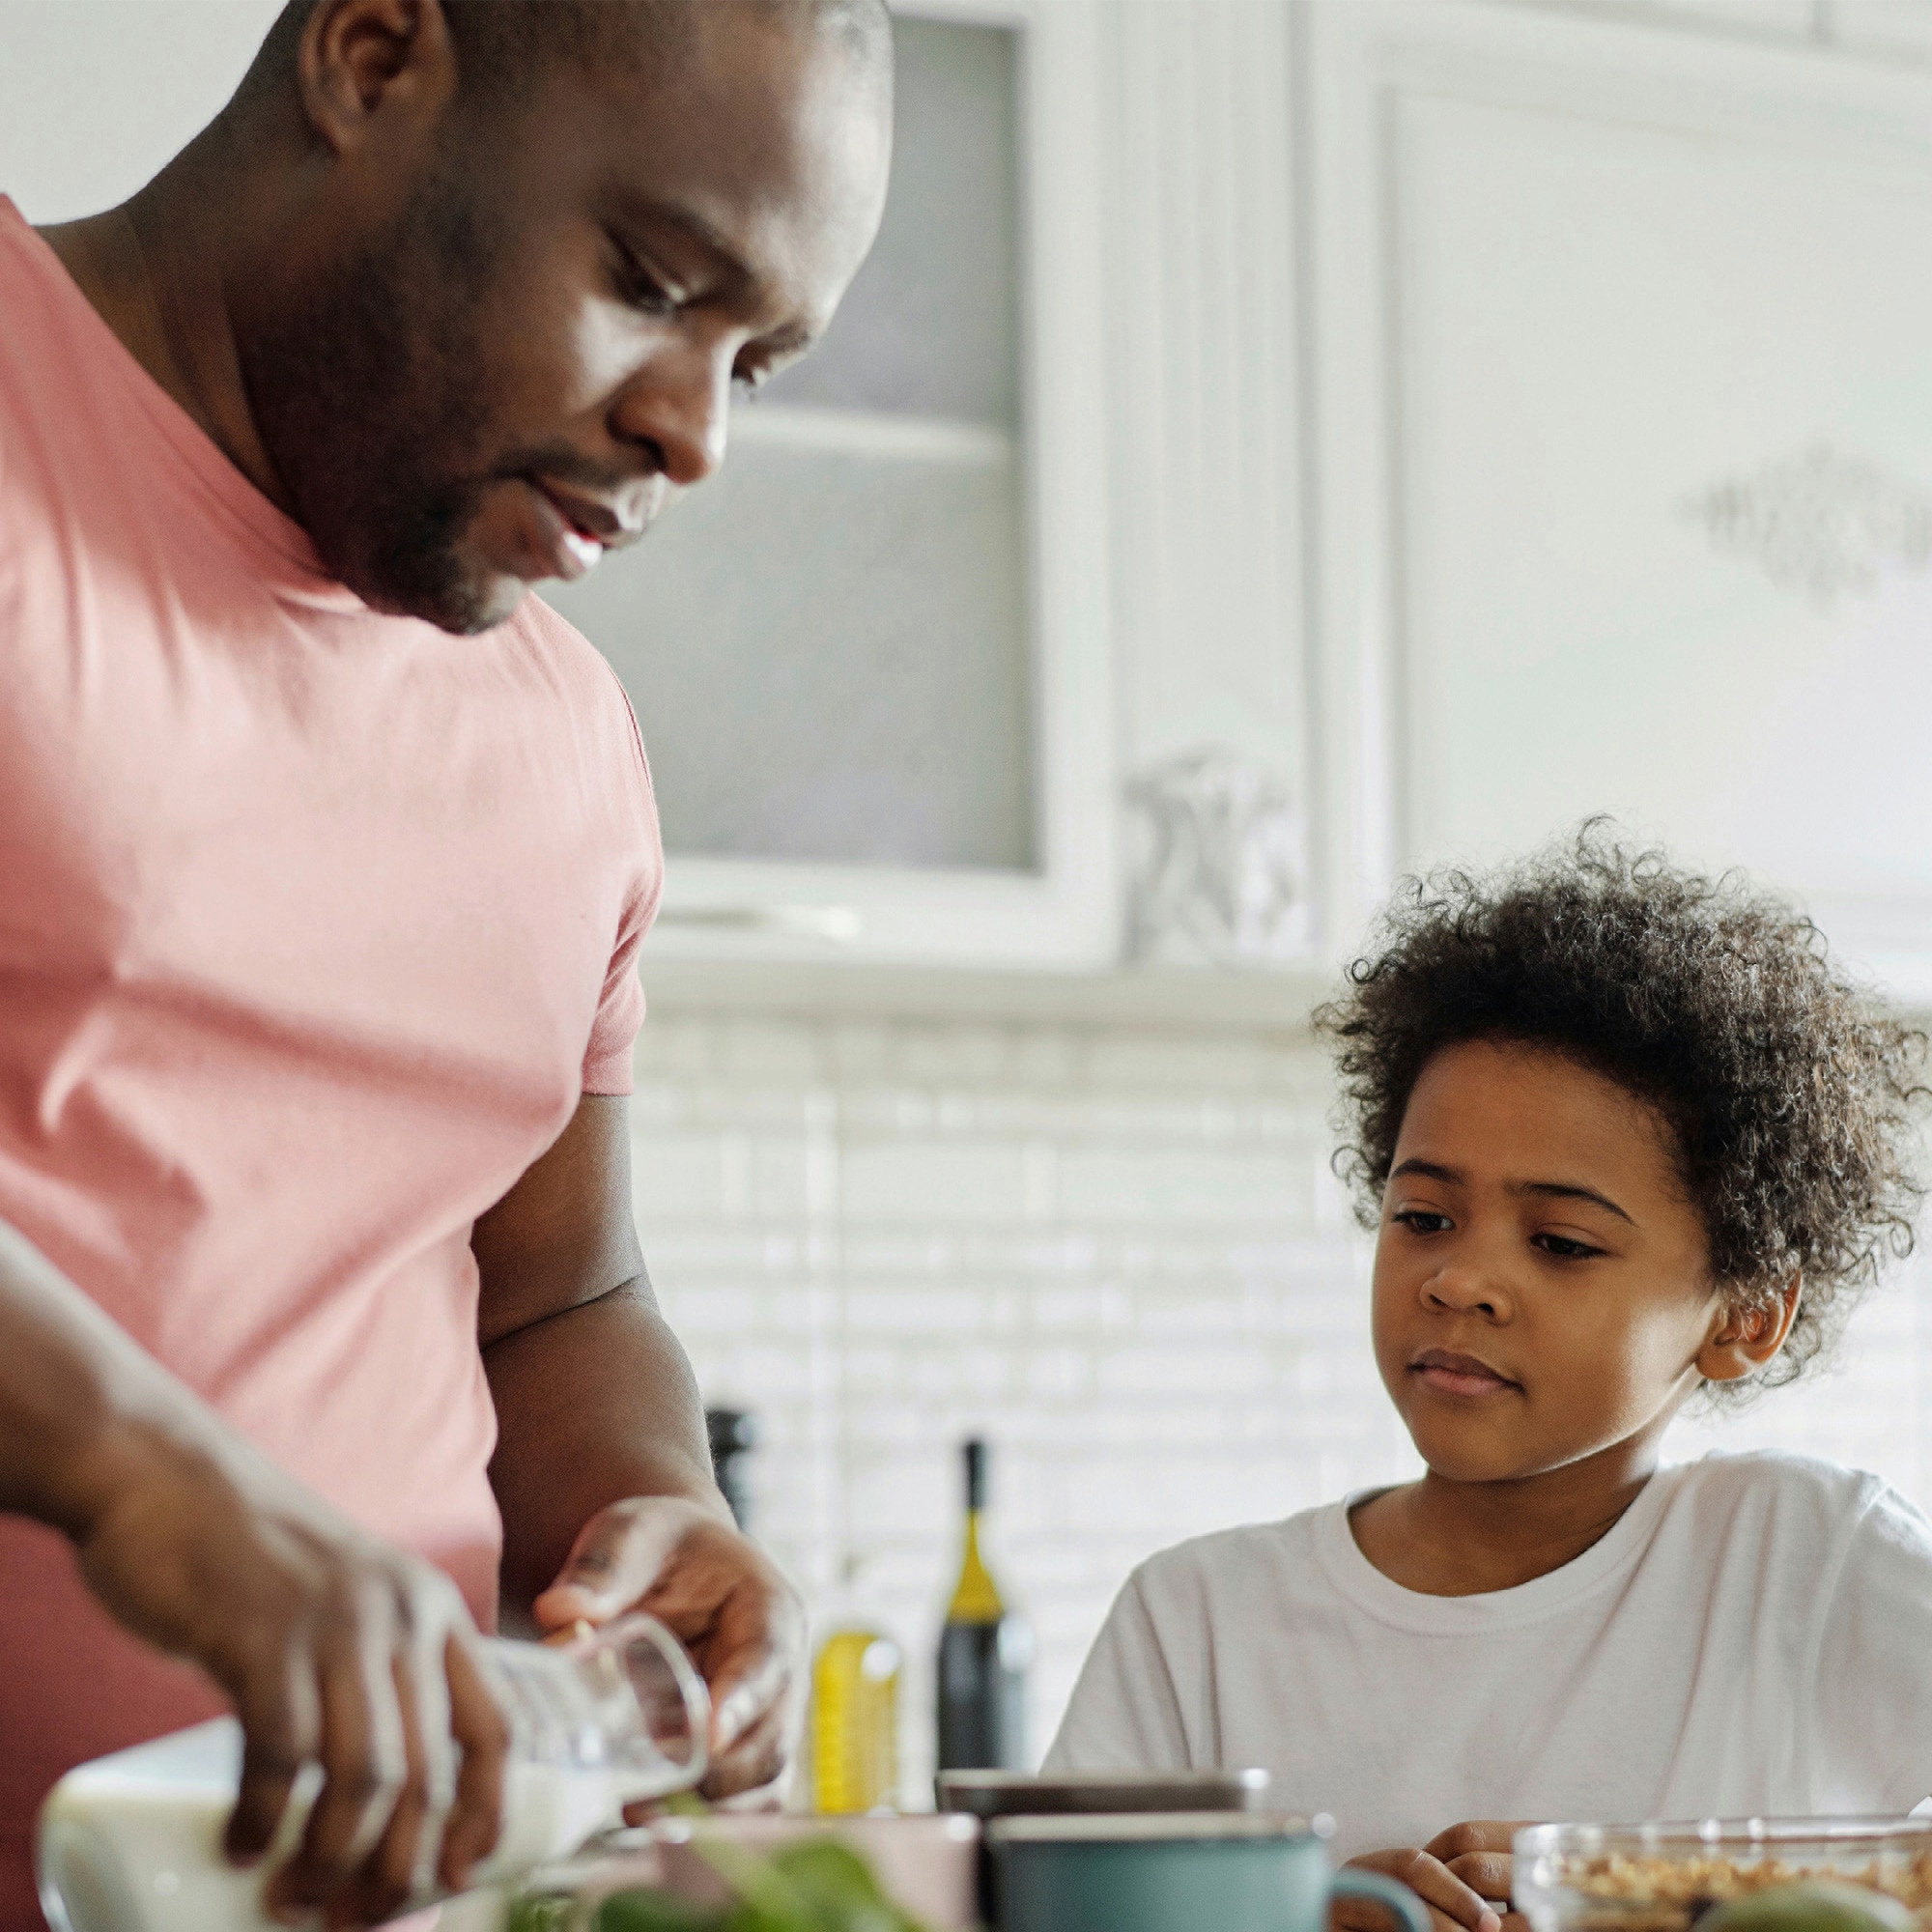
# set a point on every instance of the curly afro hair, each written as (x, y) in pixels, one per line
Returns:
(1790, 1093)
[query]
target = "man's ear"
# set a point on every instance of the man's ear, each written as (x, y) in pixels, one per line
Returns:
(1745, 1337)
(364, 65)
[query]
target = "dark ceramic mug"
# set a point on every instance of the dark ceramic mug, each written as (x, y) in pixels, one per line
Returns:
(1216, 1871)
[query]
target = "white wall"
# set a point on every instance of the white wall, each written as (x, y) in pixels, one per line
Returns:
(96, 95)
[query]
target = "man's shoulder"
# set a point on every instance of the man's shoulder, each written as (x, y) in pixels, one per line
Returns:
(582, 682)
(42, 339)
(22, 334)
(577, 666)
(556, 640)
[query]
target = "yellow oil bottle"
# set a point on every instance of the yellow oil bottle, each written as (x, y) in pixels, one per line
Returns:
(855, 1721)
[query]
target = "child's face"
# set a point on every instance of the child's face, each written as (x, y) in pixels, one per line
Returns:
(1542, 1286)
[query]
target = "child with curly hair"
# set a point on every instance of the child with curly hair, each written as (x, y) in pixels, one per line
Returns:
(1624, 1137)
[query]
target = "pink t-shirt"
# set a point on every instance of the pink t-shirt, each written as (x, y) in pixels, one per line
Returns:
(314, 926)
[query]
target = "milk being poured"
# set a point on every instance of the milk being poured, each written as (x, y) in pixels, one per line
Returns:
(132, 1842)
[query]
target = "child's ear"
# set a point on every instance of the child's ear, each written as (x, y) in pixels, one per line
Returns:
(1746, 1337)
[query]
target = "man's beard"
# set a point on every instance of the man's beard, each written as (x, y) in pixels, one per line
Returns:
(369, 395)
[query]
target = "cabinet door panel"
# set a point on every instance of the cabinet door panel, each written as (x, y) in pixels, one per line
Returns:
(1648, 510)
(1652, 391)
(871, 657)
(780, 726)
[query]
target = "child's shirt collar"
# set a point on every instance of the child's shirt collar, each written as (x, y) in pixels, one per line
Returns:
(1607, 1560)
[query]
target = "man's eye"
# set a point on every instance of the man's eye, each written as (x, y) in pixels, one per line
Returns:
(1565, 1249)
(1421, 1221)
(641, 289)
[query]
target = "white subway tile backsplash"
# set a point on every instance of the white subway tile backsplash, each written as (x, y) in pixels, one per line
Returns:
(699, 1313)
(1148, 1064)
(922, 1311)
(1210, 1373)
(1096, 1311)
(1183, 1316)
(683, 1251)
(1122, 1255)
(934, 1180)
(943, 1055)
(681, 1177)
(1059, 1374)
(1105, 1186)
(765, 1050)
(872, 1253)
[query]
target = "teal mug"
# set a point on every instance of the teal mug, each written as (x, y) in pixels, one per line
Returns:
(1205, 1872)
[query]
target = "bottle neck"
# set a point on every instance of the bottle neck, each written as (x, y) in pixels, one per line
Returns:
(976, 1600)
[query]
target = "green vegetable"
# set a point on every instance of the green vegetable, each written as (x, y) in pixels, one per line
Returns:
(816, 1884)
(654, 1912)
(540, 1911)
(1815, 1906)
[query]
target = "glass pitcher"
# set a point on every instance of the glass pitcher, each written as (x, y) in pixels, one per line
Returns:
(612, 1718)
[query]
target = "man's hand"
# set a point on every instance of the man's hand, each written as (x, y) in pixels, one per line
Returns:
(736, 1615)
(334, 1648)
(1463, 1875)
(331, 1645)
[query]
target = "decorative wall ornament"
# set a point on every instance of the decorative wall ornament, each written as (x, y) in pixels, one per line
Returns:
(1217, 864)
(1822, 523)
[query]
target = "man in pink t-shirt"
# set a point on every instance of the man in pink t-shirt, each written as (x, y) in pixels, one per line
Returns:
(325, 854)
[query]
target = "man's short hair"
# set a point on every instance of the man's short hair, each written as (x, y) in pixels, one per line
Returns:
(501, 43)
(504, 40)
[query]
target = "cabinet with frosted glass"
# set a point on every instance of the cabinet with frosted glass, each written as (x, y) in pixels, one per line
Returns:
(869, 657)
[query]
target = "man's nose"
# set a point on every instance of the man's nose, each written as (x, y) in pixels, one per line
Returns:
(678, 406)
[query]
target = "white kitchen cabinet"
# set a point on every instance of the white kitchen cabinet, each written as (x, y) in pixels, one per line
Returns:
(1386, 430)
(1789, 20)
(1886, 28)
(871, 657)
(1204, 355)
(1623, 445)
(1163, 382)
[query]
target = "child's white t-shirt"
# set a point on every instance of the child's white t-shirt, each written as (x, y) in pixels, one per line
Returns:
(1752, 1638)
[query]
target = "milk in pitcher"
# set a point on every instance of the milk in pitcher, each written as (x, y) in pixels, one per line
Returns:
(133, 1842)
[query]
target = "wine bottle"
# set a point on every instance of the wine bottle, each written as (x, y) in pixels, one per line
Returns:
(984, 1653)
(733, 1433)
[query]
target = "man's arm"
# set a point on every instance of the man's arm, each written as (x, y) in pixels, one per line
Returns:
(602, 1469)
(332, 1647)
(595, 1400)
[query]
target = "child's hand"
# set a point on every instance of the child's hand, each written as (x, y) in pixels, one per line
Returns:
(1478, 1852)
(1463, 1875)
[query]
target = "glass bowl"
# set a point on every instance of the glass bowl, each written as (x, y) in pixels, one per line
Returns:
(1662, 1878)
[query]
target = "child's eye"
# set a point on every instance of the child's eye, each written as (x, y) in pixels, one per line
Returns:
(1565, 1249)
(1421, 1221)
